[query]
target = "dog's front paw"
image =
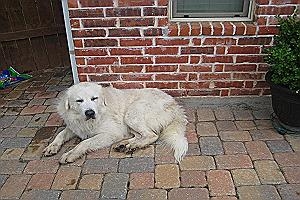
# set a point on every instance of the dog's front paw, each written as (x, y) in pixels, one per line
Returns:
(68, 157)
(51, 149)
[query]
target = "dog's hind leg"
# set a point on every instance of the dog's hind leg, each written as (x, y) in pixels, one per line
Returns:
(62, 137)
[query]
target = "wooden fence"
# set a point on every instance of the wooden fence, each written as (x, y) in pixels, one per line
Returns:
(32, 35)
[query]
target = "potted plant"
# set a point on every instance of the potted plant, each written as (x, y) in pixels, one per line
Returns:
(284, 72)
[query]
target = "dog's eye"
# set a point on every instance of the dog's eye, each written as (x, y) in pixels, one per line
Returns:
(79, 100)
(94, 98)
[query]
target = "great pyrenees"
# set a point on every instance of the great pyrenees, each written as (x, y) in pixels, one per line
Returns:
(132, 118)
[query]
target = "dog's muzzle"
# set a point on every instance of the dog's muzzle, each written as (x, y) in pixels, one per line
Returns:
(90, 114)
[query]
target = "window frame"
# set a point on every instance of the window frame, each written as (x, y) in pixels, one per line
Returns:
(206, 17)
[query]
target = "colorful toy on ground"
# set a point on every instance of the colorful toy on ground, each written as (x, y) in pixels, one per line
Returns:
(11, 76)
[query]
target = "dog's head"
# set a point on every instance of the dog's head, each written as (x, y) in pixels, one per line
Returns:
(83, 99)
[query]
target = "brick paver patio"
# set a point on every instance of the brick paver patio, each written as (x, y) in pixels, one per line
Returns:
(234, 153)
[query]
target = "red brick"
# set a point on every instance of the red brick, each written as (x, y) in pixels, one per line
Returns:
(195, 59)
(121, 32)
(251, 29)
(95, 3)
(195, 29)
(125, 3)
(217, 28)
(104, 77)
(134, 85)
(197, 68)
(220, 183)
(123, 12)
(255, 41)
(240, 68)
(214, 76)
(72, 4)
(194, 85)
(135, 42)
(102, 60)
(131, 22)
(161, 50)
(171, 59)
(78, 43)
(155, 11)
(126, 68)
(275, 10)
(173, 30)
(239, 28)
(228, 84)
(217, 59)
(206, 28)
(197, 50)
(136, 60)
(125, 51)
(228, 28)
(239, 92)
(268, 30)
(249, 58)
(137, 77)
(153, 32)
(141, 180)
(80, 61)
(84, 13)
(171, 42)
(100, 42)
(161, 68)
(163, 21)
(91, 52)
(170, 77)
(89, 33)
(220, 50)
(244, 50)
(98, 22)
(162, 85)
(184, 29)
(75, 23)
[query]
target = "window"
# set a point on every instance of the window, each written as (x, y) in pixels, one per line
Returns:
(211, 10)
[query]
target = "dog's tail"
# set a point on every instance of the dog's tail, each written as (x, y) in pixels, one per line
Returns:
(174, 136)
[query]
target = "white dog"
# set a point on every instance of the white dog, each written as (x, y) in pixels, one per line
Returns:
(134, 118)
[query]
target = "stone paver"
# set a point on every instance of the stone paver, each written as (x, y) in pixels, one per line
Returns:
(91, 182)
(14, 186)
(142, 180)
(234, 153)
(80, 194)
(259, 192)
(245, 177)
(95, 166)
(118, 181)
(193, 179)
(258, 150)
(167, 176)
(66, 178)
(207, 129)
(197, 163)
(268, 172)
(233, 161)
(189, 194)
(41, 194)
(147, 194)
(220, 183)
(211, 146)
(130, 165)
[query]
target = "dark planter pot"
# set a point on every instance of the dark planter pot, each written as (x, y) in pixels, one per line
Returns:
(285, 103)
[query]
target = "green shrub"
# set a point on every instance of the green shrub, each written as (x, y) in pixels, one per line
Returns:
(284, 56)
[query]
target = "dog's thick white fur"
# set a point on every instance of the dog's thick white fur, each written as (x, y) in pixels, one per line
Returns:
(134, 118)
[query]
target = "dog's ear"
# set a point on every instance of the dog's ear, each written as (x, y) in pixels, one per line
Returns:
(67, 105)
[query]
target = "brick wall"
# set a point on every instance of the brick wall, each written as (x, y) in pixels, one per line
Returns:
(132, 44)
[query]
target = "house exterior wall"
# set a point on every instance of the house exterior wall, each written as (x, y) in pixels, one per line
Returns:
(133, 44)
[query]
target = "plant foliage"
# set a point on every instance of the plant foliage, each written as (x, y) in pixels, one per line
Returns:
(284, 56)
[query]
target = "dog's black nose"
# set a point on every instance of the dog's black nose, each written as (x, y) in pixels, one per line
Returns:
(90, 113)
